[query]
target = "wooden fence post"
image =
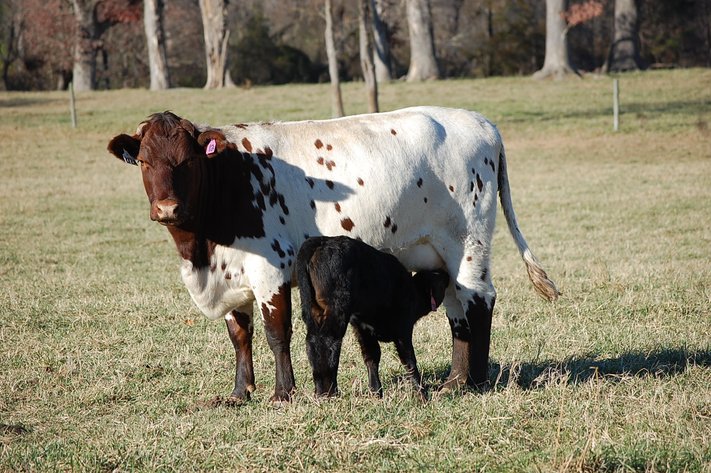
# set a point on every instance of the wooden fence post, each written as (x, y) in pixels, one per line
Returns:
(72, 107)
(615, 104)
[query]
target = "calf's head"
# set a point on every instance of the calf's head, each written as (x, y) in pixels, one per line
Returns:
(171, 155)
(429, 288)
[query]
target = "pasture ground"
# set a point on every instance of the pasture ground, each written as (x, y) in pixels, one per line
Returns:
(106, 365)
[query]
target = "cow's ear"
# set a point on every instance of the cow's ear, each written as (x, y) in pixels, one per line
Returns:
(213, 142)
(125, 148)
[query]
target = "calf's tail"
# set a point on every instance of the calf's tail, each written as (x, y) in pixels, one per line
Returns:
(541, 282)
(303, 275)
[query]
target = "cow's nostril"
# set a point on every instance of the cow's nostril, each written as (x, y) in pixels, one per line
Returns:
(166, 212)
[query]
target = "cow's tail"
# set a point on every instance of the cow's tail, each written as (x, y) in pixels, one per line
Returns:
(541, 282)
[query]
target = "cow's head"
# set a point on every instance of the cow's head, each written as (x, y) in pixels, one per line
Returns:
(171, 154)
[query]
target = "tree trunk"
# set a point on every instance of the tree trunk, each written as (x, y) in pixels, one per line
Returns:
(155, 41)
(366, 58)
(557, 62)
(381, 42)
(87, 33)
(624, 51)
(423, 64)
(336, 99)
(216, 34)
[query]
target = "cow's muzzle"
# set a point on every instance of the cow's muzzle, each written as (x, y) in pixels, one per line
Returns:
(167, 212)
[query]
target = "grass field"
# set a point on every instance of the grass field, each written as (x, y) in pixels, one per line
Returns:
(106, 365)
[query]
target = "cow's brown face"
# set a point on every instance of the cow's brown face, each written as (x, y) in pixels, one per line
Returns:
(170, 158)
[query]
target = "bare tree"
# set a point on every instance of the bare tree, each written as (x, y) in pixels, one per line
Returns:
(624, 51)
(423, 64)
(93, 18)
(381, 42)
(559, 21)
(12, 26)
(366, 58)
(336, 98)
(557, 62)
(216, 34)
(155, 40)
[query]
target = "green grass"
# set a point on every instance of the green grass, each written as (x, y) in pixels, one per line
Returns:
(106, 365)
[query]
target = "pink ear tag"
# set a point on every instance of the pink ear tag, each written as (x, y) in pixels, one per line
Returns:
(211, 147)
(433, 302)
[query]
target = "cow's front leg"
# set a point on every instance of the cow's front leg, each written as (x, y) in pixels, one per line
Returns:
(240, 328)
(276, 313)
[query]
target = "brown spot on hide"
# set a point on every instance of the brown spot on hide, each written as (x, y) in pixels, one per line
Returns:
(393, 132)
(329, 184)
(320, 160)
(228, 276)
(419, 182)
(469, 258)
(241, 125)
(360, 181)
(387, 222)
(329, 147)
(247, 145)
(224, 265)
(338, 207)
(451, 188)
(213, 267)
(347, 224)
(268, 153)
(318, 144)
(330, 164)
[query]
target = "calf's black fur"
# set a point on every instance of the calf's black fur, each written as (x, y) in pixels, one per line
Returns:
(343, 280)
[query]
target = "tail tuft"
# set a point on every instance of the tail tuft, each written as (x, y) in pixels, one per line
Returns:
(541, 282)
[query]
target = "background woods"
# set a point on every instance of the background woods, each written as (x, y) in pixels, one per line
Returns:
(102, 43)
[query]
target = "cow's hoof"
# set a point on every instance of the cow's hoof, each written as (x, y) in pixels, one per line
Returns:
(453, 383)
(480, 387)
(282, 397)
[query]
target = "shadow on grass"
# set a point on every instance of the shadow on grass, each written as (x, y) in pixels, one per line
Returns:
(580, 369)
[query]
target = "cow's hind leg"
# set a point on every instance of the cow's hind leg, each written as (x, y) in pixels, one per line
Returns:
(240, 329)
(470, 302)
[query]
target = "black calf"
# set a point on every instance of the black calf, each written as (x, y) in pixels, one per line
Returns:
(342, 280)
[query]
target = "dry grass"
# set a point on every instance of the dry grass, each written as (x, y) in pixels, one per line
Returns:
(106, 365)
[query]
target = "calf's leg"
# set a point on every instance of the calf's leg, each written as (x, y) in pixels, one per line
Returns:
(240, 330)
(406, 352)
(370, 349)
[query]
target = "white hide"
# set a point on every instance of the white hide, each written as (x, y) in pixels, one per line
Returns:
(420, 183)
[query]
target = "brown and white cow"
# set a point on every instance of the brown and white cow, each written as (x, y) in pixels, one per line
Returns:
(239, 200)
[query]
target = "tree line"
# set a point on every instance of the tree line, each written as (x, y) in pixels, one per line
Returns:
(102, 44)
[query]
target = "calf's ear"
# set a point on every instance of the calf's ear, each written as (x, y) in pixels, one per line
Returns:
(125, 148)
(213, 141)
